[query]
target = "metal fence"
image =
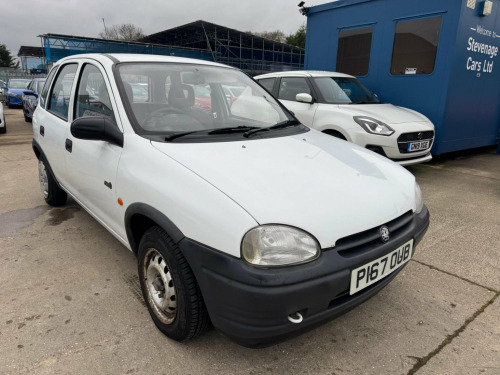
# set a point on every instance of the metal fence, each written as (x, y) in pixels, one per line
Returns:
(7, 74)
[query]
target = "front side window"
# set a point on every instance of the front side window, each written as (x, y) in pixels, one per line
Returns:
(340, 90)
(194, 98)
(353, 53)
(291, 86)
(61, 91)
(415, 46)
(93, 97)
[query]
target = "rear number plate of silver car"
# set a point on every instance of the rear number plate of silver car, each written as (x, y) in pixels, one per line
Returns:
(417, 146)
(376, 270)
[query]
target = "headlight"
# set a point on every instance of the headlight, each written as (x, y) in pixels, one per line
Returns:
(373, 126)
(419, 202)
(278, 245)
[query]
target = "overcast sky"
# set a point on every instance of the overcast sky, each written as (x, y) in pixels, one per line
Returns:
(22, 21)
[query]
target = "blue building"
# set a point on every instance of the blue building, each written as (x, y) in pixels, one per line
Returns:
(32, 59)
(437, 57)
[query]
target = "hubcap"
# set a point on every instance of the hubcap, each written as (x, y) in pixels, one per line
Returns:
(160, 288)
(43, 178)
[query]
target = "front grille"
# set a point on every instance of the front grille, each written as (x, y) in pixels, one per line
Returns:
(358, 243)
(410, 137)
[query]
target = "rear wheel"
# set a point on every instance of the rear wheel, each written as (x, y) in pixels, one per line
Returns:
(4, 129)
(169, 287)
(53, 194)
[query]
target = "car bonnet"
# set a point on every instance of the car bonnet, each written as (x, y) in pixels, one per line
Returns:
(387, 113)
(325, 186)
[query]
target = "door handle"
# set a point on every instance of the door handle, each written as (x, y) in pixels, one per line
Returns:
(42, 130)
(69, 145)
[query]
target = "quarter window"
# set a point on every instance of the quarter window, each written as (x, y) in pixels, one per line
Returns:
(93, 98)
(291, 86)
(61, 91)
(415, 46)
(353, 53)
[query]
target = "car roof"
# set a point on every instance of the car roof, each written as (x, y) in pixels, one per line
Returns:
(129, 57)
(304, 73)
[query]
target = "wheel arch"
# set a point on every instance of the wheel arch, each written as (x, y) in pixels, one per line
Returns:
(336, 133)
(139, 217)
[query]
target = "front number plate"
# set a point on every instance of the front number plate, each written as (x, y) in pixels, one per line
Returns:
(376, 270)
(418, 146)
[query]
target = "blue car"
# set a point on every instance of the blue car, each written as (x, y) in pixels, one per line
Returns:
(30, 97)
(14, 93)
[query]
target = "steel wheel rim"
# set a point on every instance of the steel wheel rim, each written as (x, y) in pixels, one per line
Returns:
(43, 178)
(159, 286)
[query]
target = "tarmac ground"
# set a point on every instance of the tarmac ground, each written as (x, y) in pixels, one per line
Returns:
(70, 300)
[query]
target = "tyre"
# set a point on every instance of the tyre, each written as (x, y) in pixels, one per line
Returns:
(26, 118)
(53, 194)
(169, 287)
(8, 103)
(4, 129)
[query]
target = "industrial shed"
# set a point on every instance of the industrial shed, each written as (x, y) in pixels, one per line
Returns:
(437, 57)
(200, 40)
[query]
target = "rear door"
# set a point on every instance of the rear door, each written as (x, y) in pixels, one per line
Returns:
(52, 123)
(288, 89)
(92, 165)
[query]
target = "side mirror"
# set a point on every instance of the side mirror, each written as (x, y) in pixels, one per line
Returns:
(29, 92)
(97, 129)
(304, 98)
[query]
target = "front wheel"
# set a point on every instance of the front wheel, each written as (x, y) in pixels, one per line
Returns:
(53, 194)
(169, 287)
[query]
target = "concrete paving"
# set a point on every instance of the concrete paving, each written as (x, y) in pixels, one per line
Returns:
(70, 301)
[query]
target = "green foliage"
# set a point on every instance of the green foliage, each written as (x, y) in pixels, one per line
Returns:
(297, 39)
(276, 35)
(6, 59)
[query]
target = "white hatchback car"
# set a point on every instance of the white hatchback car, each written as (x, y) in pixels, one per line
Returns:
(237, 213)
(340, 105)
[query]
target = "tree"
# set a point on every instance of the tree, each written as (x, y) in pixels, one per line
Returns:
(276, 35)
(6, 59)
(125, 31)
(297, 39)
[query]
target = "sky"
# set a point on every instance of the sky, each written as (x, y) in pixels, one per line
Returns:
(22, 21)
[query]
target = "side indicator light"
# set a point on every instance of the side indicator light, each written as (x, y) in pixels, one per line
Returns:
(120, 201)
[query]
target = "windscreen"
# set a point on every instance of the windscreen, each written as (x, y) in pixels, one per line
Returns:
(21, 84)
(167, 98)
(339, 90)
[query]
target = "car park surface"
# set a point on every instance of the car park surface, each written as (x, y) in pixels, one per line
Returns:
(208, 242)
(439, 316)
(340, 105)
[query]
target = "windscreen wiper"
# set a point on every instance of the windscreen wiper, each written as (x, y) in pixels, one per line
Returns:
(173, 136)
(232, 129)
(279, 125)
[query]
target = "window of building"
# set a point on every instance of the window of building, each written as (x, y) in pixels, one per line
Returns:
(353, 53)
(415, 46)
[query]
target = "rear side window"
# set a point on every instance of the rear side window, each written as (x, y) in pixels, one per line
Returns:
(291, 86)
(353, 53)
(45, 90)
(93, 97)
(267, 83)
(58, 102)
(415, 46)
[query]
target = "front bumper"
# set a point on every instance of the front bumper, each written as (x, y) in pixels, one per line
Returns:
(14, 100)
(251, 305)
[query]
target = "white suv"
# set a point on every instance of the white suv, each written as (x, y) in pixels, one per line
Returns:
(237, 213)
(340, 105)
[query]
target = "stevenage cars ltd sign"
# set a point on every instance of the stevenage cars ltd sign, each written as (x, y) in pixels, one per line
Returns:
(486, 51)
